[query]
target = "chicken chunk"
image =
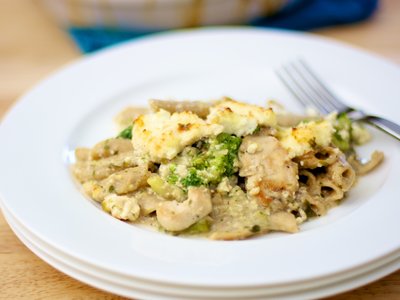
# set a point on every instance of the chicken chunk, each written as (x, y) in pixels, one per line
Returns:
(121, 207)
(283, 221)
(269, 172)
(148, 201)
(177, 216)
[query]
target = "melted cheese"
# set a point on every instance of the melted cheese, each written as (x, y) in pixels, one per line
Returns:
(301, 139)
(162, 135)
(240, 118)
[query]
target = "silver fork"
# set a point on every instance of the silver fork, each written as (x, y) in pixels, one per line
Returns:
(305, 85)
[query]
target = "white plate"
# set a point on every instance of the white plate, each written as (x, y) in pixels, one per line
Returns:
(339, 283)
(144, 291)
(75, 107)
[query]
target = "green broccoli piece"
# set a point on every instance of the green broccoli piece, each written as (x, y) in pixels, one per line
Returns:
(257, 130)
(342, 136)
(126, 133)
(232, 144)
(172, 178)
(208, 164)
(192, 179)
(201, 226)
(217, 160)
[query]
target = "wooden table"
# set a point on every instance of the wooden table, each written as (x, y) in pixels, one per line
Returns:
(31, 47)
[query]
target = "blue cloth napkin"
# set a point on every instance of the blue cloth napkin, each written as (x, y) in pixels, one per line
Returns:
(298, 15)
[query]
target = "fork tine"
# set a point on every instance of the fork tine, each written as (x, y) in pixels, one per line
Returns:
(293, 88)
(308, 86)
(325, 94)
(296, 83)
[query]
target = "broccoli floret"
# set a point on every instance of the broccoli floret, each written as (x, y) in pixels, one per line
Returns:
(207, 163)
(192, 179)
(217, 160)
(172, 176)
(232, 144)
(126, 133)
(342, 136)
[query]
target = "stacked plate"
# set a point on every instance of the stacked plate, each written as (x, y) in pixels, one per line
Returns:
(356, 243)
(146, 289)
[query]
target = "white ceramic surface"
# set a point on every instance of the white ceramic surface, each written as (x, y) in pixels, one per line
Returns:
(327, 285)
(75, 107)
(143, 291)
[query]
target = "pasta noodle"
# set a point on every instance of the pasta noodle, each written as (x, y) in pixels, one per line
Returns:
(342, 174)
(364, 168)
(320, 157)
(330, 192)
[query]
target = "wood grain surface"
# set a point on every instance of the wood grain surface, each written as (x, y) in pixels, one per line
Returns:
(32, 46)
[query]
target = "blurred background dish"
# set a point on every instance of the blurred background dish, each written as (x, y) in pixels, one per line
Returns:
(161, 14)
(95, 24)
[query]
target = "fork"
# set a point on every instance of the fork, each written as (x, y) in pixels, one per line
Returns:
(305, 85)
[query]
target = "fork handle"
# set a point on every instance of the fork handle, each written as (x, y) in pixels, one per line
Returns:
(385, 125)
